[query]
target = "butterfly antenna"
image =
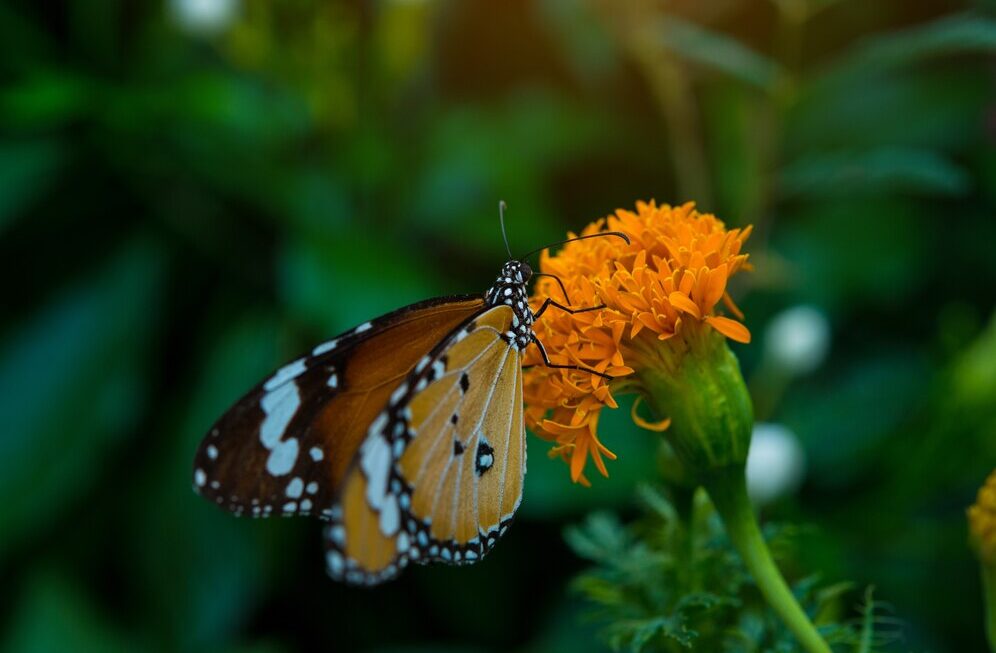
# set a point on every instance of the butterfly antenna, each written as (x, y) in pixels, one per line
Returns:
(501, 219)
(617, 234)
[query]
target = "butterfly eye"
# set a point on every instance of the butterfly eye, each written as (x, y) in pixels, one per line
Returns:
(526, 271)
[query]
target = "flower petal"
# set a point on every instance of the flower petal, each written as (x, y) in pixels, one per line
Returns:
(729, 328)
(657, 427)
(681, 302)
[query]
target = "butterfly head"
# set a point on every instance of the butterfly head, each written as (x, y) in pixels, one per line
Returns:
(510, 289)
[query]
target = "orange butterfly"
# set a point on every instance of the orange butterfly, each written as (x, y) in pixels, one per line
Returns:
(405, 433)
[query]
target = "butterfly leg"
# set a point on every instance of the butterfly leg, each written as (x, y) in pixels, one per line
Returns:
(546, 361)
(559, 283)
(573, 311)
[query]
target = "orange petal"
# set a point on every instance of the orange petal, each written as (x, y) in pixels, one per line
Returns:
(648, 320)
(657, 427)
(681, 302)
(729, 328)
(599, 463)
(716, 286)
(728, 301)
(579, 458)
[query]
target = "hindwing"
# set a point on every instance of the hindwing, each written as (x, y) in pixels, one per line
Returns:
(441, 470)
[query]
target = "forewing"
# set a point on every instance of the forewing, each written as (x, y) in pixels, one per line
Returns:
(287, 445)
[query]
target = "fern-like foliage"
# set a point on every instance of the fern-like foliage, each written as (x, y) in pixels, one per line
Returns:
(672, 582)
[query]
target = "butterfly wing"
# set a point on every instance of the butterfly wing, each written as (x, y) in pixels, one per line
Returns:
(453, 434)
(285, 447)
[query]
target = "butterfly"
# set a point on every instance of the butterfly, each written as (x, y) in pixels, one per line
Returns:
(405, 433)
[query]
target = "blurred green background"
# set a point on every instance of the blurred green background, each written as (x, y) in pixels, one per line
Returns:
(193, 191)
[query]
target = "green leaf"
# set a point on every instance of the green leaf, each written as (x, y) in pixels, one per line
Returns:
(951, 35)
(717, 51)
(879, 171)
(641, 633)
(72, 382)
(602, 538)
(867, 623)
(702, 602)
(658, 504)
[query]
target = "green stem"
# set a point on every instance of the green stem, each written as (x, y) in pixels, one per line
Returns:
(728, 490)
(989, 588)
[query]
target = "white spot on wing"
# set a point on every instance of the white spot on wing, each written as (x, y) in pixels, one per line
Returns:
(399, 393)
(282, 458)
(285, 374)
(333, 381)
(363, 327)
(376, 463)
(324, 347)
(334, 560)
(212, 452)
(312, 487)
(316, 454)
(279, 406)
(390, 516)
(378, 425)
(200, 477)
(295, 488)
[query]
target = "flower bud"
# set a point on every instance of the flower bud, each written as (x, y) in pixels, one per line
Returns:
(694, 379)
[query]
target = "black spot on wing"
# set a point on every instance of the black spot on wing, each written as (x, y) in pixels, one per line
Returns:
(485, 458)
(458, 448)
(464, 382)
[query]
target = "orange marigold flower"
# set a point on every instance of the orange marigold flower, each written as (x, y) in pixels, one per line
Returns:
(671, 275)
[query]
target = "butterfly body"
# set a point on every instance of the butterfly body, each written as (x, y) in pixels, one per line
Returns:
(405, 433)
